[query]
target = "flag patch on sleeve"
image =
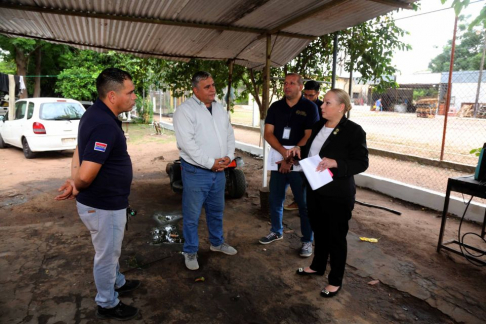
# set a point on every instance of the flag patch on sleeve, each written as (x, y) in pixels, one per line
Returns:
(100, 146)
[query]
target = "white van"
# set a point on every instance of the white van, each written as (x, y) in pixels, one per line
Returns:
(42, 124)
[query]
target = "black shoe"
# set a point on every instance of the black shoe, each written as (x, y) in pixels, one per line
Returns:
(270, 238)
(120, 312)
(128, 286)
(328, 294)
(301, 272)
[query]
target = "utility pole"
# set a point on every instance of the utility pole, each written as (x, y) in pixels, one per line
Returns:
(476, 104)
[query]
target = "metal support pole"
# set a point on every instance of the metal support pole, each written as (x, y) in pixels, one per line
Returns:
(476, 104)
(334, 60)
(230, 81)
(265, 105)
(449, 86)
(160, 105)
(350, 89)
(143, 97)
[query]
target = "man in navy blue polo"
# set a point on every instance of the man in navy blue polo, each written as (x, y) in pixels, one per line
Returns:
(289, 123)
(101, 175)
(311, 92)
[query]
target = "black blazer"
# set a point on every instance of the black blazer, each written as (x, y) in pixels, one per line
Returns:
(346, 145)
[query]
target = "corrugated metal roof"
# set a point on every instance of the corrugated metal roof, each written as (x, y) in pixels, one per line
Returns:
(185, 29)
(463, 77)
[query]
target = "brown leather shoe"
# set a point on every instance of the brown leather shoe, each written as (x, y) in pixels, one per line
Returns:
(292, 206)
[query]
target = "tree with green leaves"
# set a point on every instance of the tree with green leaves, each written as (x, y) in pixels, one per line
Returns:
(314, 62)
(77, 80)
(18, 50)
(177, 75)
(468, 51)
(37, 60)
(370, 47)
(458, 5)
(7, 67)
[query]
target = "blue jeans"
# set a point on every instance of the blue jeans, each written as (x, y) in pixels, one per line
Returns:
(107, 228)
(279, 183)
(202, 188)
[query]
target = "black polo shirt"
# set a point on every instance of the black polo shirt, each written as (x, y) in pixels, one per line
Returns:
(299, 118)
(102, 140)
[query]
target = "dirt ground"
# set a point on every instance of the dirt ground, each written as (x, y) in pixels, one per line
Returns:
(46, 256)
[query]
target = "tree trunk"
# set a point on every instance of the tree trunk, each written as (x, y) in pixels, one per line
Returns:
(22, 61)
(37, 79)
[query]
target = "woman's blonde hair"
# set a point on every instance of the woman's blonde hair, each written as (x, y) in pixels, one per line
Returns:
(342, 98)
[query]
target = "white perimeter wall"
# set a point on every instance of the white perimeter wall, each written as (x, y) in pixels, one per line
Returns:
(431, 199)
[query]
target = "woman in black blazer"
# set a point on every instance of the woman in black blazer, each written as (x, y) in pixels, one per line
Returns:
(341, 144)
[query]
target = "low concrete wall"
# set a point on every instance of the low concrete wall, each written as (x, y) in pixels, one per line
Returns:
(420, 196)
(431, 199)
(249, 148)
(166, 125)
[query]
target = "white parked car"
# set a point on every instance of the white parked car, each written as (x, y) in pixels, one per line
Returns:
(42, 124)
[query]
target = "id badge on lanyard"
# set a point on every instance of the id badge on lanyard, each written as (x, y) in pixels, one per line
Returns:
(286, 133)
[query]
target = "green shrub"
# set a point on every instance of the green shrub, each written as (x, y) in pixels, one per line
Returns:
(145, 109)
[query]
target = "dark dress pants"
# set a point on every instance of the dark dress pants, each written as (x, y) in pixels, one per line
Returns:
(329, 218)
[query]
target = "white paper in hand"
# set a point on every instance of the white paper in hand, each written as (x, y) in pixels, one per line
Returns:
(274, 156)
(316, 179)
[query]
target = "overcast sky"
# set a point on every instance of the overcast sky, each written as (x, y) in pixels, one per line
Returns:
(429, 32)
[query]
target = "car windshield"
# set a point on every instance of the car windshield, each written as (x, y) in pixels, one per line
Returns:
(61, 111)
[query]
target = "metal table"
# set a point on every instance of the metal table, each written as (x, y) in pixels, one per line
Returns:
(469, 186)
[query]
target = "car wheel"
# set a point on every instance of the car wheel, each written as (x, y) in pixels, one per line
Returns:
(27, 152)
(2, 143)
(236, 185)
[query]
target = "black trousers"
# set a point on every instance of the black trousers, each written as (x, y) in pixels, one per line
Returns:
(329, 218)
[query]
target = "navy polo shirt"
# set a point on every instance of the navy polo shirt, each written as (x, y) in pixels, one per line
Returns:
(102, 140)
(300, 117)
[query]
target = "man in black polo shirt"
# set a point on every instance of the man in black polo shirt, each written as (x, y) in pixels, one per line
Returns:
(289, 123)
(101, 172)
(311, 92)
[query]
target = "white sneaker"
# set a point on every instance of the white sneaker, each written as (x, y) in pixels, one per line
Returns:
(224, 248)
(306, 250)
(191, 261)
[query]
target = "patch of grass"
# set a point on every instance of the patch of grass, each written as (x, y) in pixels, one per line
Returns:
(143, 133)
(242, 116)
